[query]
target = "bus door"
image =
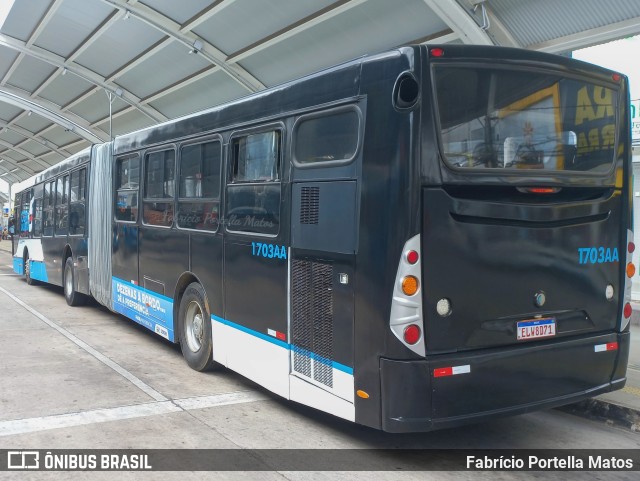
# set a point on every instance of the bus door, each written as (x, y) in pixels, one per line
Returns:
(324, 219)
(163, 252)
(251, 337)
(125, 228)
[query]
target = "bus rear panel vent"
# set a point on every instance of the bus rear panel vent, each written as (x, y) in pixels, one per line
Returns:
(312, 320)
(310, 205)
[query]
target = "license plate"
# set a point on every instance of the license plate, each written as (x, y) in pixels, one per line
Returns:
(536, 328)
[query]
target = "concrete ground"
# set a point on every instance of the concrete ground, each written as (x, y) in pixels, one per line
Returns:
(85, 377)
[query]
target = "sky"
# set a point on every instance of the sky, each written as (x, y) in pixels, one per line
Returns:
(621, 56)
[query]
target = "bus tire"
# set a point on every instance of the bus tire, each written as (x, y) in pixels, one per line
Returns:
(27, 270)
(73, 297)
(195, 328)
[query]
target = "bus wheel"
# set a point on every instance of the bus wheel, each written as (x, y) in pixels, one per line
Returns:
(73, 297)
(195, 328)
(27, 270)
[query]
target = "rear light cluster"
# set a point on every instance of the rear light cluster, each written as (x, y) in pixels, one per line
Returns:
(406, 305)
(630, 271)
(631, 268)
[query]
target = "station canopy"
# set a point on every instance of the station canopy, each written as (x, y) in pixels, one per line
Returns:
(65, 63)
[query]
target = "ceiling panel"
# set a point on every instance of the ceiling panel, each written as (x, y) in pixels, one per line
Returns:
(8, 112)
(13, 155)
(121, 43)
(232, 28)
(59, 136)
(30, 73)
(33, 123)
(24, 18)
(213, 89)
(127, 123)
(74, 149)
(166, 67)
(178, 11)
(96, 106)
(368, 28)
(34, 148)
(72, 23)
(11, 137)
(52, 157)
(7, 57)
(34, 165)
(543, 20)
(65, 88)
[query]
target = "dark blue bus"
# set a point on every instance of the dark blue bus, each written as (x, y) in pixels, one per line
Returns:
(411, 240)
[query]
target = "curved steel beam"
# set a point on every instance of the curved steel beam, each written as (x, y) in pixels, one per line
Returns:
(30, 136)
(459, 21)
(50, 112)
(18, 163)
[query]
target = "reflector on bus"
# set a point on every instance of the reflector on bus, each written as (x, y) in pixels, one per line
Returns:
(406, 306)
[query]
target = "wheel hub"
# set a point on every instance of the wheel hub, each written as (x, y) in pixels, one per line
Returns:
(197, 327)
(194, 327)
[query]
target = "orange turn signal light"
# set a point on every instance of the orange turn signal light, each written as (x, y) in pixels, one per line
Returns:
(410, 285)
(631, 270)
(362, 394)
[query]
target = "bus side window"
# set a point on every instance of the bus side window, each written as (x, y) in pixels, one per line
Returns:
(326, 137)
(37, 210)
(253, 193)
(62, 205)
(127, 184)
(25, 212)
(76, 208)
(159, 188)
(47, 211)
(199, 186)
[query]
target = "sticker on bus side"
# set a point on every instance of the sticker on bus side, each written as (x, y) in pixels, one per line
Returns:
(597, 255)
(149, 309)
(270, 251)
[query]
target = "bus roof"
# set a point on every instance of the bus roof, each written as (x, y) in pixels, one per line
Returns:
(66, 164)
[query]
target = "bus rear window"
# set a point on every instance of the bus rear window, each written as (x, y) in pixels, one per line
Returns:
(524, 120)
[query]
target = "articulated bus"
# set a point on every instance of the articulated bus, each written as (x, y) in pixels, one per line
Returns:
(411, 240)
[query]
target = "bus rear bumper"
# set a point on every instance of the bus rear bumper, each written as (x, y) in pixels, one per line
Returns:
(454, 389)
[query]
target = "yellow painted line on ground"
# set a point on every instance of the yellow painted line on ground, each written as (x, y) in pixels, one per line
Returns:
(632, 390)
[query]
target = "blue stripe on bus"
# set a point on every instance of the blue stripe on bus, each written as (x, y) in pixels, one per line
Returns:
(149, 309)
(141, 288)
(260, 335)
(38, 271)
(321, 359)
(285, 345)
(18, 265)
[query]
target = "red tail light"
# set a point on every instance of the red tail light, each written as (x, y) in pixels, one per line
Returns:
(412, 257)
(412, 334)
(542, 190)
